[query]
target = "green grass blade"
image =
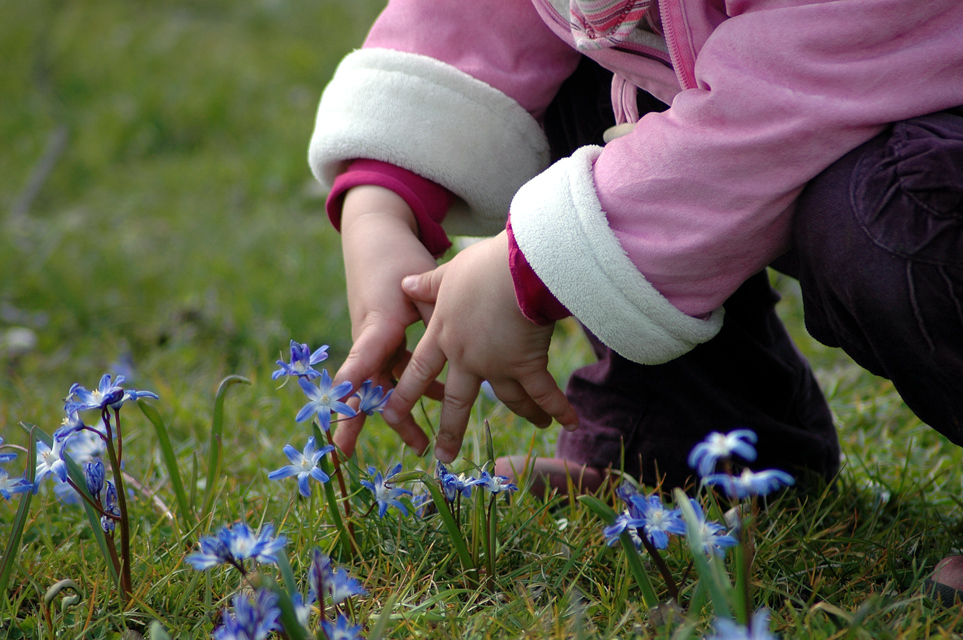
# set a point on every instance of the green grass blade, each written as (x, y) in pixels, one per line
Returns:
(12, 550)
(608, 515)
(377, 631)
(217, 428)
(457, 540)
(334, 507)
(711, 575)
(284, 564)
(170, 461)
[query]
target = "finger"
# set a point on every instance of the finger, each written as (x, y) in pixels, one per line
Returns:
(346, 435)
(436, 390)
(411, 434)
(422, 369)
(424, 286)
(461, 389)
(372, 354)
(544, 391)
(514, 396)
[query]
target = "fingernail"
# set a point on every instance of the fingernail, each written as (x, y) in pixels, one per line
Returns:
(409, 282)
(443, 455)
(390, 416)
(570, 427)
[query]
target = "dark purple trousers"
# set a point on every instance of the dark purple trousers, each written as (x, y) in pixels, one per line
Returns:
(878, 252)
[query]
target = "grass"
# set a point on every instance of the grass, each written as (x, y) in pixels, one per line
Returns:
(175, 225)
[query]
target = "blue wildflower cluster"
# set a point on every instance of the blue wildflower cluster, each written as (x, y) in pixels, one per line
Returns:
(326, 399)
(461, 484)
(257, 618)
(718, 447)
(385, 494)
(10, 486)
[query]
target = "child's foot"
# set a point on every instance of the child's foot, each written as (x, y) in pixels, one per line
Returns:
(946, 583)
(550, 473)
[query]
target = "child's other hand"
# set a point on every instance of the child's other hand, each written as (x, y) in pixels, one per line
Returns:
(381, 246)
(479, 330)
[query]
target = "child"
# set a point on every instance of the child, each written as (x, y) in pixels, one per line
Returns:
(822, 138)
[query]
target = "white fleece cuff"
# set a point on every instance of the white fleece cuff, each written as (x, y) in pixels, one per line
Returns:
(559, 225)
(435, 120)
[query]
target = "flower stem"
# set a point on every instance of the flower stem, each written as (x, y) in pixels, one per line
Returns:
(336, 458)
(125, 579)
(661, 566)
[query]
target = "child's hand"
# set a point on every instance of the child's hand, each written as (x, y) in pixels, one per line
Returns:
(380, 244)
(478, 328)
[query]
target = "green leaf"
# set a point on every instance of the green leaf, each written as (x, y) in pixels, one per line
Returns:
(170, 461)
(457, 540)
(12, 550)
(217, 428)
(709, 574)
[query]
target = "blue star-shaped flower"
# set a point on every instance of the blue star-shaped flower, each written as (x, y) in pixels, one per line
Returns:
(758, 628)
(234, 545)
(372, 400)
(252, 619)
(452, 484)
(495, 484)
(714, 539)
(9, 487)
(655, 521)
(623, 523)
(50, 461)
(717, 446)
(325, 400)
(303, 465)
(106, 394)
(385, 494)
(342, 586)
(302, 361)
(342, 629)
(6, 457)
(319, 574)
(750, 483)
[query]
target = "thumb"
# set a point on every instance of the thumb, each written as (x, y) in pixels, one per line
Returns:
(424, 286)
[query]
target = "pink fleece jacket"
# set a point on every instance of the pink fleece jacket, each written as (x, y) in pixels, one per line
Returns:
(644, 239)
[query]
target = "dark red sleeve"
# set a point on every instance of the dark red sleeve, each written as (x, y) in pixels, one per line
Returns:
(428, 200)
(537, 303)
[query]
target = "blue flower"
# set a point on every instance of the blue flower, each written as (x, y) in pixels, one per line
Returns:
(714, 539)
(9, 487)
(655, 521)
(717, 446)
(758, 628)
(109, 503)
(50, 461)
(135, 395)
(319, 575)
(623, 523)
(341, 629)
(301, 362)
(94, 474)
(324, 400)
(372, 400)
(252, 620)
(337, 585)
(6, 457)
(385, 494)
(342, 586)
(750, 483)
(452, 484)
(234, 545)
(105, 395)
(303, 465)
(495, 484)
